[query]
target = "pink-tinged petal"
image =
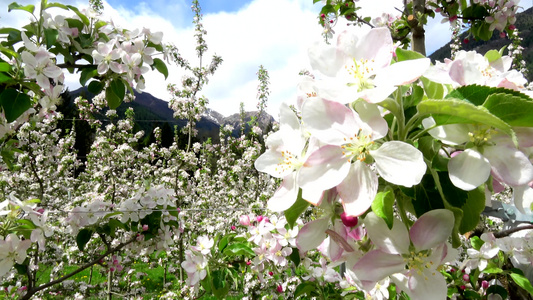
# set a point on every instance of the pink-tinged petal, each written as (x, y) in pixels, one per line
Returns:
(358, 189)
(376, 265)
(324, 168)
(325, 58)
(53, 72)
(429, 284)
(393, 241)
(312, 234)
(370, 114)
(432, 229)
(523, 198)
(311, 195)
(285, 196)
(329, 121)
(524, 136)
(453, 134)
(438, 74)
(377, 94)
(399, 163)
(270, 162)
(336, 249)
(287, 118)
(376, 45)
(468, 170)
(509, 165)
(465, 73)
(402, 73)
(102, 68)
(5, 266)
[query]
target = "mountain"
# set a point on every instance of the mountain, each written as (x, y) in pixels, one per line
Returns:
(151, 112)
(524, 23)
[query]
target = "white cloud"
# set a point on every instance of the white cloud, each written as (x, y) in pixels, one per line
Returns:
(274, 33)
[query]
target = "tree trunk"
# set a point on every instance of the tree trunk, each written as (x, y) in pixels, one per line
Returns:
(418, 40)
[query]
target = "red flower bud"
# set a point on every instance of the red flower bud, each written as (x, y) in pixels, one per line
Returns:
(349, 221)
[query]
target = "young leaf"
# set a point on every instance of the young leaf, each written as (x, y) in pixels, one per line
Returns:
(83, 237)
(161, 67)
(304, 288)
(294, 212)
(14, 104)
(523, 282)
(383, 206)
(516, 111)
(115, 93)
(15, 6)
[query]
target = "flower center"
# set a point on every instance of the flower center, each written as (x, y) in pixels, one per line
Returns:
(288, 162)
(481, 137)
(417, 262)
(361, 71)
(357, 147)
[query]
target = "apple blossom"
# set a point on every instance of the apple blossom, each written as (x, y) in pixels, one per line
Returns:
(411, 258)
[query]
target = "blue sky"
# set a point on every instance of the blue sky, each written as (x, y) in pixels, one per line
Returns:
(246, 33)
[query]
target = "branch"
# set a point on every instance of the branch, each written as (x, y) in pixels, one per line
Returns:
(508, 232)
(31, 292)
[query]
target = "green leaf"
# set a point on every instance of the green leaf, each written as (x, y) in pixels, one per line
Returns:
(469, 294)
(55, 4)
(523, 282)
(161, 67)
(294, 212)
(516, 111)
(83, 17)
(8, 52)
(304, 288)
(51, 36)
(224, 241)
(95, 87)
(476, 242)
(497, 289)
(451, 111)
(14, 104)
(5, 67)
(429, 146)
(74, 23)
(115, 93)
(295, 257)
(15, 6)
(478, 94)
(492, 269)
(403, 54)
(83, 237)
(474, 206)
(22, 269)
(492, 55)
(238, 249)
(220, 286)
(86, 74)
(433, 90)
(383, 206)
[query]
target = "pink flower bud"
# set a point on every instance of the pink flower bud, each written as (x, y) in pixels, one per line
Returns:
(244, 220)
(462, 287)
(485, 284)
(322, 16)
(502, 34)
(145, 227)
(512, 27)
(349, 221)
(279, 289)
(466, 277)
(259, 218)
(233, 227)
(248, 263)
(466, 40)
(270, 273)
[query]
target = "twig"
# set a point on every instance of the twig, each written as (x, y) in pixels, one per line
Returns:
(508, 232)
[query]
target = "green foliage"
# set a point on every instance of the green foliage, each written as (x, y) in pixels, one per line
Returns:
(383, 206)
(294, 212)
(14, 103)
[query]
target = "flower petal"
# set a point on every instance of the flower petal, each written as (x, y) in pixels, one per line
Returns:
(523, 198)
(399, 163)
(393, 241)
(429, 284)
(285, 196)
(330, 121)
(376, 265)
(312, 234)
(468, 170)
(403, 72)
(324, 168)
(432, 229)
(509, 165)
(358, 189)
